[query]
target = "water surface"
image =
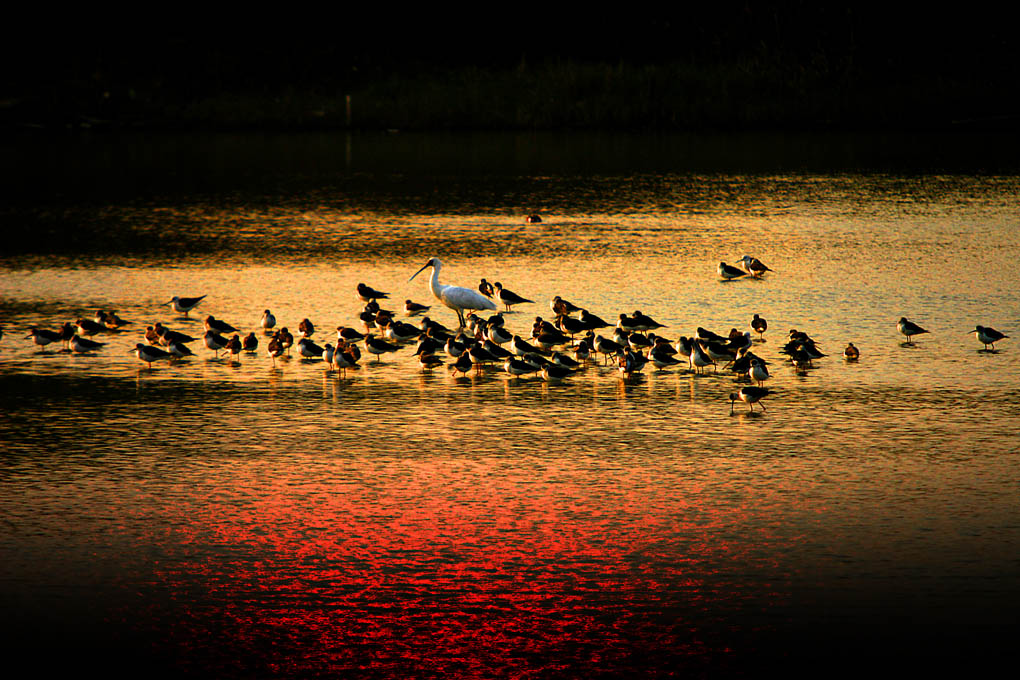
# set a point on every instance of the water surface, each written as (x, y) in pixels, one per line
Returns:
(246, 519)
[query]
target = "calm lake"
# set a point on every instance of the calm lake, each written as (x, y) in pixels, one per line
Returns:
(218, 518)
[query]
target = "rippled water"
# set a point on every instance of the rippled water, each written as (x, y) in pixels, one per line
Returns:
(218, 518)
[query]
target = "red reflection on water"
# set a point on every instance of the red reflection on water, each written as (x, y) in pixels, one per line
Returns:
(510, 579)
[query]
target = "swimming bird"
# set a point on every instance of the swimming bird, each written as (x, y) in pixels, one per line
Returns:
(149, 353)
(729, 272)
(909, 328)
(508, 297)
(759, 326)
(368, 294)
(456, 298)
(753, 266)
(215, 341)
(183, 305)
(268, 320)
(750, 395)
(988, 336)
(851, 353)
(485, 288)
(82, 345)
(533, 219)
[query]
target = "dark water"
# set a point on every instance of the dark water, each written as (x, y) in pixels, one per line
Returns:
(218, 518)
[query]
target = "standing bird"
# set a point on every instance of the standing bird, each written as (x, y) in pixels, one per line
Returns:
(759, 326)
(851, 353)
(234, 346)
(758, 373)
(215, 342)
(275, 348)
(149, 353)
(183, 305)
(43, 337)
(309, 350)
(250, 343)
(508, 297)
(753, 266)
(729, 272)
(378, 347)
(485, 288)
(306, 328)
(561, 307)
(750, 395)
(988, 336)
(909, 328)
(456, 298)
(368, 294)
(268, 321)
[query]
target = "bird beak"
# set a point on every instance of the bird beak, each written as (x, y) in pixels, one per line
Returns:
(418, 272)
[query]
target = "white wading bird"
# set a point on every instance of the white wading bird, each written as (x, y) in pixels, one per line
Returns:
(456, 298)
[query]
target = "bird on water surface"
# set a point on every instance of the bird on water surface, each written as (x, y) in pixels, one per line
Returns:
(909, 329)
(183, 305)
(988, 336)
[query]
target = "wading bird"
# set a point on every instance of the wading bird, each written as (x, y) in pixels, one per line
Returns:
(456, 298)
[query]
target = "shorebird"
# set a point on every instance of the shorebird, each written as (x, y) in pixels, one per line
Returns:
(268, 320)
(463, 363)
(82, 345)
(43, 337)
(517, 367)
(555, 372)
(217, 326)
(560, 306)
(753, 266)
(306, 328)
(275, 348)
(759, 326)
(149, 353)
(368, 294)
(378, 347)
(533, 219)
(750, 395)
(414, 309)
(348, 334)
(183, 305)
(851, 353)
(909, 328)
(643, 322)
(178, 349)
(234, 346)
(309, 350)
(485, 288)
(215, 341)
(250, 343)
(988, 336)
(508, 297)
(88, 328)
(591, 321)
(456, 298)
(730, 272)
(758, 373)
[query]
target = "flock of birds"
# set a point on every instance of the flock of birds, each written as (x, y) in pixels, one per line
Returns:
(553, 350)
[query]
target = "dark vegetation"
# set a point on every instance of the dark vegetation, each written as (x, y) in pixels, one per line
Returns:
(727, 65)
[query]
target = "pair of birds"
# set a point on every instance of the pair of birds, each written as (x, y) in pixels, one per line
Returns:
(986, 335)
(506, 297)
(749, 266)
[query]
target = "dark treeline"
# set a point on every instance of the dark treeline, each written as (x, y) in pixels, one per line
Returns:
(729, 65)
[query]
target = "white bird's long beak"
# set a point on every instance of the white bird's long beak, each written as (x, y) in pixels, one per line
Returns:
(419, 272)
